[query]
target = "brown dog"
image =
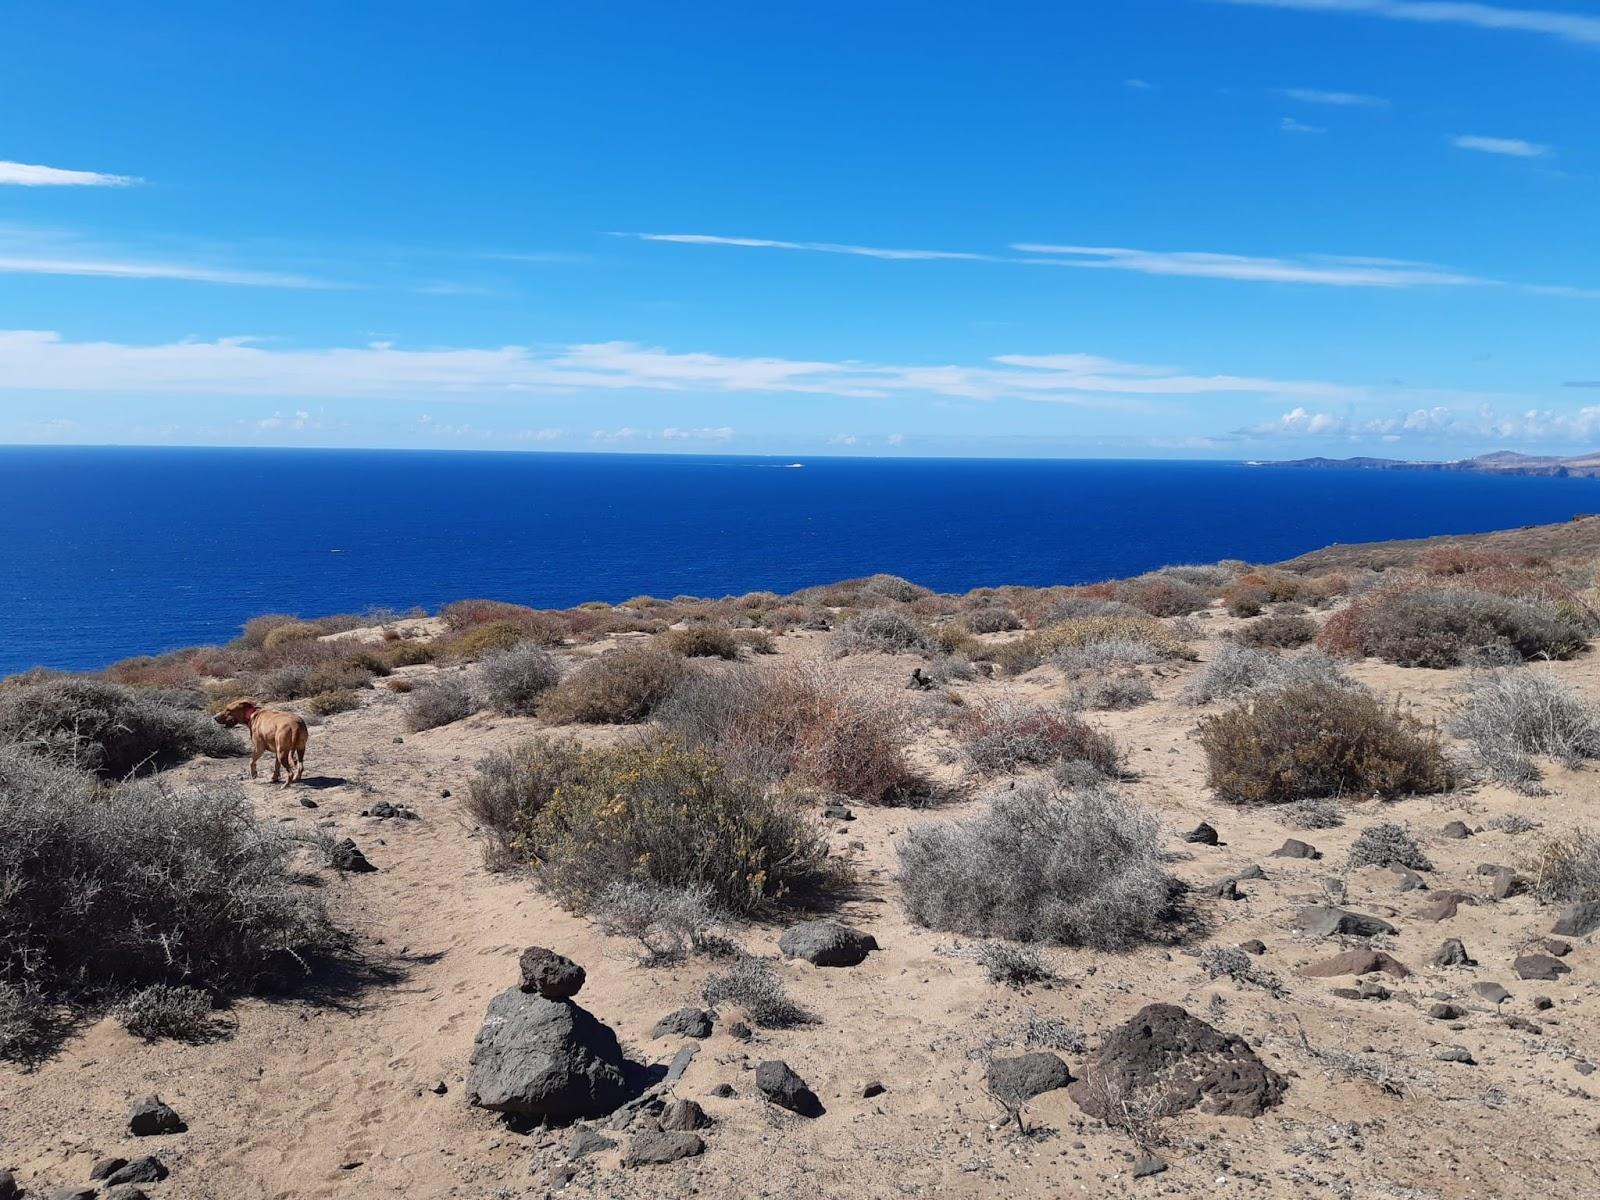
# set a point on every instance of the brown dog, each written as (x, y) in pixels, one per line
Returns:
(283, 733)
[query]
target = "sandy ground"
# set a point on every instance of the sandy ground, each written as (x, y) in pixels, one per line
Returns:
(331, 1097)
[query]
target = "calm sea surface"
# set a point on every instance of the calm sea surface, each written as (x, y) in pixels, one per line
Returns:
(105, 553)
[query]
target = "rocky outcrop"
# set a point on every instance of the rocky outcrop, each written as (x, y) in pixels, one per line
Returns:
(1165, 1058)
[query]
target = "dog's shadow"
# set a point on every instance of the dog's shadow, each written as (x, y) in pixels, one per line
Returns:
(321, 783)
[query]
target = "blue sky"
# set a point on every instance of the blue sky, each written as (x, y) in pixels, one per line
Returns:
(1147, 228)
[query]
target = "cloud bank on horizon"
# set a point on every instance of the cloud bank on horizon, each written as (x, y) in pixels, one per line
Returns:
(1329, 231)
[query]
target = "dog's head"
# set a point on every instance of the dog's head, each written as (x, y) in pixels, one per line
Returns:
(237, 713)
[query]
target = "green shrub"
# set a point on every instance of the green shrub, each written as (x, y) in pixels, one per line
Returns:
(661, 814)
(108, 728)
(621, 687)
(1078, 868)
(1318, 739)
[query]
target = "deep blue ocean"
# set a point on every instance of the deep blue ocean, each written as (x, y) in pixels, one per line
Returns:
(110, 552)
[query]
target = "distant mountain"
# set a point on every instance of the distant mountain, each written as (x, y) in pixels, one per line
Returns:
(1500, 462)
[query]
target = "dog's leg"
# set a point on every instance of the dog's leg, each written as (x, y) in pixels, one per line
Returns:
(277, 765)
(255, 757)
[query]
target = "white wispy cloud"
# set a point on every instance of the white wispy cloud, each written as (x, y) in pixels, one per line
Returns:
(39, 361)
(1139, 85)
(1337, 99)
(102, 268)
(1327, 270)
(720, 433)
(1574, 27)
(706, 239)
(1290, 125)
(1512, 147)
(36, 175)
(1330, 271)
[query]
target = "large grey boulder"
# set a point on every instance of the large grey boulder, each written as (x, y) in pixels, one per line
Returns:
(1578, 920)
(1322, 920)
(1174, 1061)
(826, 944)
(545, 1058)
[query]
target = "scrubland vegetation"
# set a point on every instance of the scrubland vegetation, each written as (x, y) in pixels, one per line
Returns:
(682, 774)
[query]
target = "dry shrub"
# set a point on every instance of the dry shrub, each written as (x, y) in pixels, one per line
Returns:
(173, 670)
(954, 639)
(513, 681)
(1114, 693)
(115, 886)
(1078, 868)
(110, 729)
(1415, 626)
(1002, 737)
(879, 629)
(491, 637)
(1564, 868)
(162, 1010)
(439, 702)
(621, 687)
(401, 685)
(1510, 715)
(812, 724)
(464, 614)
(511, 788)
(1081, 634)
(793, 616)
(668, 922)
(757, 641)
(256, 629)
(326, 704)
(345, 674)
(1234, 670)
(1280, 631)
(1162, 595)
(410, 652)
(290, 631)
(1388, 845)
(751, 985)
(1246, 600)
(663, 814)
(991, 619)
(1318, 739)
(703, 639)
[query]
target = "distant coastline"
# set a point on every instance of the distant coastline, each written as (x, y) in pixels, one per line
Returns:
(1500, 462)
